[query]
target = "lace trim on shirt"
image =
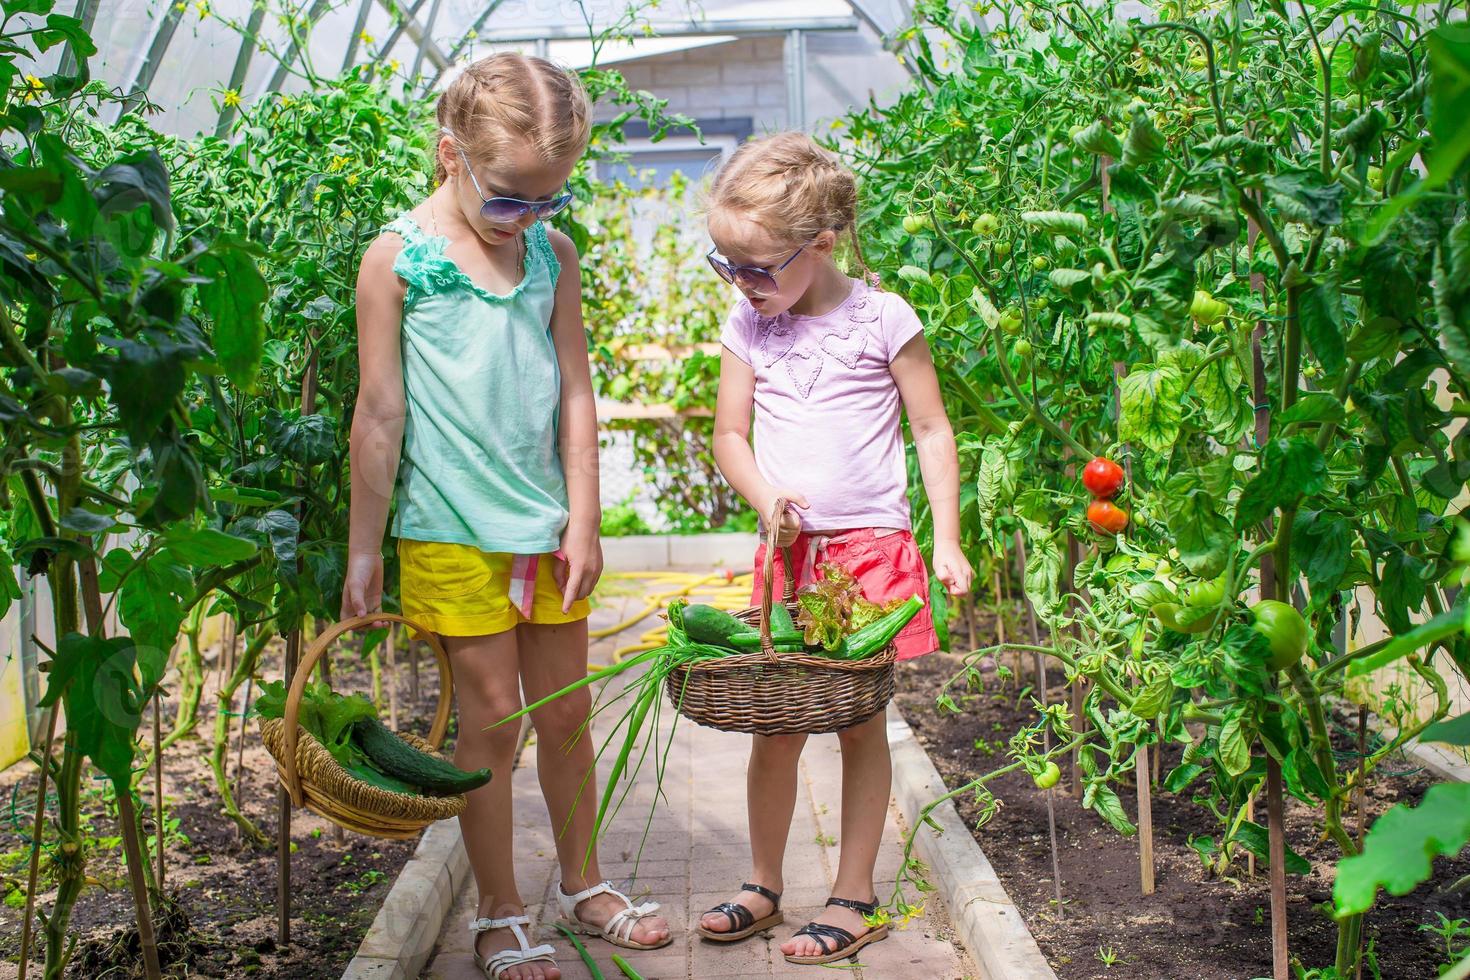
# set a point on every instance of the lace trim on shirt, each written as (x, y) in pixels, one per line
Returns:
(844, 343)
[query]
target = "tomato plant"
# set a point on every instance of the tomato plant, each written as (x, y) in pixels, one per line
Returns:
(1255, 255)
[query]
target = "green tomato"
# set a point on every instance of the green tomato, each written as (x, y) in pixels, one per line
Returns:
(986, 224)
(1039, 263)
(1001, 249)
(915, 223)
(1022, 348)
(1010, 321)
(1205, 595)
(1040, 303)
(1285, 630)
(1182, 619)
(1375, 178)
(1049, 776)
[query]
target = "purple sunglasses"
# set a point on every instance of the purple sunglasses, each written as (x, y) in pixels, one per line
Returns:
(507, 210)
(750, 277)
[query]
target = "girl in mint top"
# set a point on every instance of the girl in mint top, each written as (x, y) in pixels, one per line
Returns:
(480, 457)
(475, 410)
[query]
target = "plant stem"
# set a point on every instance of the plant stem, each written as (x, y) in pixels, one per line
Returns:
(244, 667)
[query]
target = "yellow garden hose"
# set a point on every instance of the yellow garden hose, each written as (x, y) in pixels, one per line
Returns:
(723, 590)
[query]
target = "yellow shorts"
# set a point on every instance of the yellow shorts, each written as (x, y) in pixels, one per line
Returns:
(459, 590)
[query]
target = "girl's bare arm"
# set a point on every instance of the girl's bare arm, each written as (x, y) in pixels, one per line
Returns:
(581, 543)
(377, 424)
(918, 386)
(732, 446)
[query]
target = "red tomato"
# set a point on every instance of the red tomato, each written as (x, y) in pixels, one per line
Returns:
(1103, 477)
(1106, 518)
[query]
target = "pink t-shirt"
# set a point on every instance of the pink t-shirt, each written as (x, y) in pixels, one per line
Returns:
(827, 407)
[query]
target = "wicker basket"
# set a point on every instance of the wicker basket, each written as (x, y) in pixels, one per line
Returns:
(770, 693)
(313, 778)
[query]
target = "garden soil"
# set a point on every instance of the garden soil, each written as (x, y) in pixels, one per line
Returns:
(222, 918)
(1195, 926)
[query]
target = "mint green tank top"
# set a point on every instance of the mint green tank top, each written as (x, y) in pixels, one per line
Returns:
(481, 464)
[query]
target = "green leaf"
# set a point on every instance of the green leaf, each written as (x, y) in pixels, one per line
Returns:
(1303, 197)
(143, 379)
(1449, 102)
(277, 528)
(1201, 533)
(96, 680)
(305, 439)
(1043, 571)
(1154, 699)
(152, 611)
(1075, 283)
(1290, 470)
(1099, 796)
(1441, 627)
(1401, 845)
(207, 547)
(912, 273)
(235, 299)
(1320, 312)
(1451, 731)
(1152, 397)
(1256, 839)
(939, 606)
(1097, 140)
(1323, 546)
(1313, 406)
(1145, 143)
(1235, 743)
(134, 181)
(1181, 776)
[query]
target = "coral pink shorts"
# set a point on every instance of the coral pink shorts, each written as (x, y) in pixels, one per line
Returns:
(887, 565)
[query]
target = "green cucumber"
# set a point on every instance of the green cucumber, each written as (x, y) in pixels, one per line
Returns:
(706, 624)
(752, 641)
(877, 635)
(396, 758)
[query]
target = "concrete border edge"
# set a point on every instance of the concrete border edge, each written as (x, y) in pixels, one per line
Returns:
(983, 914)
(398, 944)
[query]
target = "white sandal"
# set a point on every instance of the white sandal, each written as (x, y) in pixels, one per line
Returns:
(499, 962)
(619, 928)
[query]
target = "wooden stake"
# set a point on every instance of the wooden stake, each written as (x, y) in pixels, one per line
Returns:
(1051, 805)
(1145, 824)
(1362, 814)
(1079, 720)
(128, 817)
(240, 744)
(283, 824)
(33, 874)
(1276, 828)
(1250, 814)
(158, 812)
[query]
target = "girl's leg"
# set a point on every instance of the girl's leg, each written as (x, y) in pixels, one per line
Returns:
(551, 657)
(487, 689)
(770, 797)
(867, 772)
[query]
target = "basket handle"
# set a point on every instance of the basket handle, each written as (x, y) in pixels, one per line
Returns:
(773, 531)
(289, 777)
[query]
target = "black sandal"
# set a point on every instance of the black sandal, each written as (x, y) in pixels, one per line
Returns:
(743, 923)
(846, 944)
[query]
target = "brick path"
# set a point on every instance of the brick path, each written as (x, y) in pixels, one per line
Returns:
(696, 857)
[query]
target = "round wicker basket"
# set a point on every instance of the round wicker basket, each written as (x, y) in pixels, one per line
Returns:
(770, 693)
(313, 778)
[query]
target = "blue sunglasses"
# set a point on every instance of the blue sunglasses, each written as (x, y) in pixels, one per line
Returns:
(507, 210)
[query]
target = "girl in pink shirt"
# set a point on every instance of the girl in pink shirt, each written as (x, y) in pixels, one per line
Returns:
(824, 364)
